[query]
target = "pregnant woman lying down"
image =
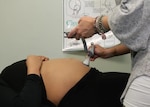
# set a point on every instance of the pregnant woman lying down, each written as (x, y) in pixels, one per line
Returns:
(63, 82)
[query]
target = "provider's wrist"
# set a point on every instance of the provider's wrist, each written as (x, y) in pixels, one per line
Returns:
(99, 25)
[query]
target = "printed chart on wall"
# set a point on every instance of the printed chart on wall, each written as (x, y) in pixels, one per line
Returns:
(73, 10)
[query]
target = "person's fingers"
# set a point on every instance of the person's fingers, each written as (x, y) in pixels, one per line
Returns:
(79, 20)
(77, 37)
(46, 59)
(43, 58)
(103, 36)
(93, 58)
(72, 33)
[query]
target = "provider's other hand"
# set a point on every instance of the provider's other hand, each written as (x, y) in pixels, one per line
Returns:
(84, 29)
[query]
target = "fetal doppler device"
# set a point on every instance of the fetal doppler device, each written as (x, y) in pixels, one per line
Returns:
(89, 52)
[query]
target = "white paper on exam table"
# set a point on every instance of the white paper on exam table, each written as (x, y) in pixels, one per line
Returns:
(77, 45)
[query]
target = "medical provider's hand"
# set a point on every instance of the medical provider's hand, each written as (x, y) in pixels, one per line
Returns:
(84, 29)
(117, 50)
(34, 64)
(102, 52)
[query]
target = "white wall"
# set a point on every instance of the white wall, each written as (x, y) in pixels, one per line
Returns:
(35, 27)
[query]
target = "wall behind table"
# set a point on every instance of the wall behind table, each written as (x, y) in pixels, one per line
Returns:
(35, 27)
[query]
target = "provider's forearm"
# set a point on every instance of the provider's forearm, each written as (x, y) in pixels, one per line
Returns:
(118, 50)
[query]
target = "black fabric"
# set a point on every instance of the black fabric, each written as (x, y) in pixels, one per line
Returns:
(95, 89)
(19, 90)
(15, 75)
(30, 96)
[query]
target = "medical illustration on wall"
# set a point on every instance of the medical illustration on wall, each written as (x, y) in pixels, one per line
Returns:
(73, 10)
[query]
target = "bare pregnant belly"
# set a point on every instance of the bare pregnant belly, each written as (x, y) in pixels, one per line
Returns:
(60, 75)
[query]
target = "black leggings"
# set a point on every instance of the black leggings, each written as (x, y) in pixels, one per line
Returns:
(95, 89)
